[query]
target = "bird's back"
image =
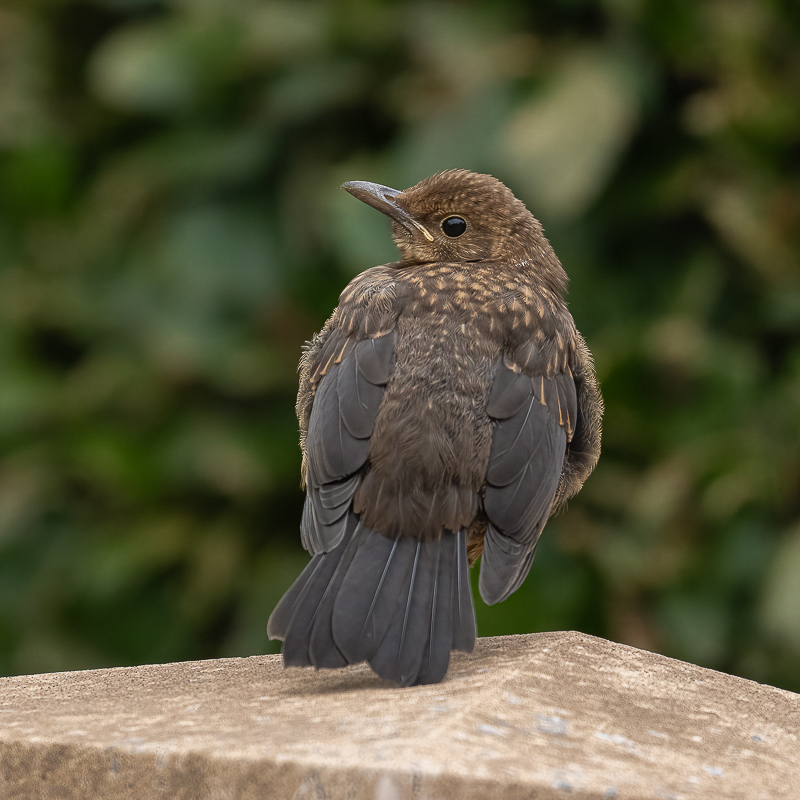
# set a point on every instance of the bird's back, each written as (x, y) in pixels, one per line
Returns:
(430, 446)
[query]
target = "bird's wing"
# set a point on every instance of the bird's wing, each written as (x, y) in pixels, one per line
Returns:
(583, 451)
(343, 375)
(351, 380)
(535, 417)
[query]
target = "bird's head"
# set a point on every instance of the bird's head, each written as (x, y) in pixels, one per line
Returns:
(461, 216)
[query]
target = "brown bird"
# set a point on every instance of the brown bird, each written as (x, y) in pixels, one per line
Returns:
(448, 407)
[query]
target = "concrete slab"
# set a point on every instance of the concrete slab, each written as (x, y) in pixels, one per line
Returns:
(551, 715)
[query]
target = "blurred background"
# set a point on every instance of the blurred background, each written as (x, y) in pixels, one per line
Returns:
(171, 231)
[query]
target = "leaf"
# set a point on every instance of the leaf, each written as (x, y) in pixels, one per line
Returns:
(780, 608)
(564, 144)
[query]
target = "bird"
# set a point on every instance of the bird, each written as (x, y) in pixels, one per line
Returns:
(447, 409)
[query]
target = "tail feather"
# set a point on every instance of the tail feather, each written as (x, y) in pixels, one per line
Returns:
(436, 658)
(281, 616)
(399, 655)
(400, 604)
(465, 626)
(298, 633)
(365, 605)
(322, 650)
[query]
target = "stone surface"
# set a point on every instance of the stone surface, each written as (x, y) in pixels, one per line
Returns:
(552, 715)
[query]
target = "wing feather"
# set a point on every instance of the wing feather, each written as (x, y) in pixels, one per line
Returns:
(341, 420)
(533, 422)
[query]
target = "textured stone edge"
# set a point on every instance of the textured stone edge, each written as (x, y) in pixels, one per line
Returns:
(52, 771)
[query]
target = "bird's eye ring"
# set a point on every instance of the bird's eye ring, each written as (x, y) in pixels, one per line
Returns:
(454, 226)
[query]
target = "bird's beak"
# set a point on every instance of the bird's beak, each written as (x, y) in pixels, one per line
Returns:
(384, 199)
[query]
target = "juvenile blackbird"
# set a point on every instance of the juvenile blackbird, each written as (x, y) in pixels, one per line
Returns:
(448, 407)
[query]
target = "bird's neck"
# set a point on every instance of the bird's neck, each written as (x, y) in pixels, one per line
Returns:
(491, 278)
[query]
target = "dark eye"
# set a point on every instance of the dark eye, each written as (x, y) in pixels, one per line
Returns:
(454, 226)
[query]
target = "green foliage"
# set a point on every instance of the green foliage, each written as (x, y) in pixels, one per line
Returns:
(171, 232)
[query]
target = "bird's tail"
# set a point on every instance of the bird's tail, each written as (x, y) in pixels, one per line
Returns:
(400, 604)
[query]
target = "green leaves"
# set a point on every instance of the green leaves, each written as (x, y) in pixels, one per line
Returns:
(565, 141)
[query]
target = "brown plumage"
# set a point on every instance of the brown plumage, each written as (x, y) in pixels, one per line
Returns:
(448, 407)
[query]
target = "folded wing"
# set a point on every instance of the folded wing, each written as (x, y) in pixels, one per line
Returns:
(534, 420)
(342, 419)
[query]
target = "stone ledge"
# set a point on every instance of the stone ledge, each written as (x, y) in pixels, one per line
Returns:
(551, 715)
